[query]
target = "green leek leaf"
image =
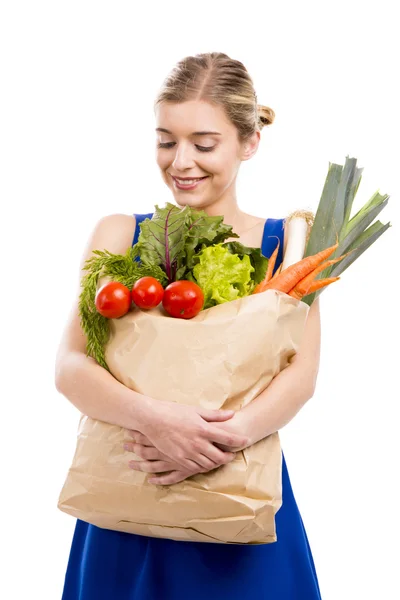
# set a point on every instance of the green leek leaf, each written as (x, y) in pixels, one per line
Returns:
(374, 232)
(322, 232)
(332, 220)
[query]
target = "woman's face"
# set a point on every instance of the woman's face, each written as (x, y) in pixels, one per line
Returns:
(185, 150)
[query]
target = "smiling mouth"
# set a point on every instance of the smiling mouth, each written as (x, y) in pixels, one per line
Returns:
(188, 179)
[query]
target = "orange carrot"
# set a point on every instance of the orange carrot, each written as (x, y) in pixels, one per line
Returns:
(271, 263)
(313, 287)
(290, 276)
(270, 269)
(295, 294)
(303, 285)
(320, 283)
(279, 269)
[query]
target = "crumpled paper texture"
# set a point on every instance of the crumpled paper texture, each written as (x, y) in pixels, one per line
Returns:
(222, 358)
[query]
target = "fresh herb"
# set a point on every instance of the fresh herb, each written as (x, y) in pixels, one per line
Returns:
(121, 268)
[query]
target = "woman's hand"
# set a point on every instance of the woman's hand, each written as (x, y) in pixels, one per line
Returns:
(168, 472)
(237, 425)
(155, 461)
(187, 435)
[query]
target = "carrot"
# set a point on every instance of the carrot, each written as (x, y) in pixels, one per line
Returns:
(279, 269)
(290, 277)
(271, 263)
(295, 294)
(303, 285)
(312, 287)
(270, 270)
(320, 283)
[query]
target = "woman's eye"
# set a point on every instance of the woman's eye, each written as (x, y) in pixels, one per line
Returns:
(205, 148)
(170, 144)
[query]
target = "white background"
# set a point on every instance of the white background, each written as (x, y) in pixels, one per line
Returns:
(77, 142)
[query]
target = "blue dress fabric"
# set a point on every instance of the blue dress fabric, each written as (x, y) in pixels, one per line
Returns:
(112, 565)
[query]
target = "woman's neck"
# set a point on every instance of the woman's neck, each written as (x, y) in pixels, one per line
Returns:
(228, 207)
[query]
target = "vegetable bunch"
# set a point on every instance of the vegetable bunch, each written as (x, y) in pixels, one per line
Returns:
(182, 259)
(182, 250)
(188, 244)
(305, 272)
(298, 279)
(333, 221)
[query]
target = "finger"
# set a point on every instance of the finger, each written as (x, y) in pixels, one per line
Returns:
(218, 456)
(152, 453)
(152, 466)
(215, 415)
(190, 464)
(193, 465)
(146, 452)
(132, 432)
(214, 459)
(233, 440)
(205, 463)
(202, 462)
(225, 448)
(139, 438)
(170, 478)
(143, 440)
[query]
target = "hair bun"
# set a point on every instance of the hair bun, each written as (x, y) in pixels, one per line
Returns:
(266, 115)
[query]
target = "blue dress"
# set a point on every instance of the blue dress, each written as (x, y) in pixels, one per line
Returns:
(112, 565)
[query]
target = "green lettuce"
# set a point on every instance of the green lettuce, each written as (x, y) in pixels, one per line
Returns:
(257, 259)
(222, 276)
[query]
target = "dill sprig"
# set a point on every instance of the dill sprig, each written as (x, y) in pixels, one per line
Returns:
(121, 268)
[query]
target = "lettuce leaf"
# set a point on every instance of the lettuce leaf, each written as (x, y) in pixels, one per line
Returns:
(173, 236)
(257, 259)
(204, 231)
(222, 276)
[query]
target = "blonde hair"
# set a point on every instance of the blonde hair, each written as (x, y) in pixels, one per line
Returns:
(221, 80)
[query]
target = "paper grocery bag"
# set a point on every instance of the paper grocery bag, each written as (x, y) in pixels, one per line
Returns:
(222, 358)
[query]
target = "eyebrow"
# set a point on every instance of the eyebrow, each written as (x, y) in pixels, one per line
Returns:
(194, 133)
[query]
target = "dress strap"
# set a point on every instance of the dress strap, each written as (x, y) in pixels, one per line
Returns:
(273, 229)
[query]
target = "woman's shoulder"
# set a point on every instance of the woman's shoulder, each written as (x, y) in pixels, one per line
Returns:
(115, 232)
(118, 220)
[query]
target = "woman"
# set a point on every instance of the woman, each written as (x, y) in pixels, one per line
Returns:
(208, 122)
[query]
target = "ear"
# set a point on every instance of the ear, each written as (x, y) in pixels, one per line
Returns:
(250, 147)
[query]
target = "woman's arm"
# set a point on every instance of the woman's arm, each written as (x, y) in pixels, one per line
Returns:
(269, 412)
(89, 387)
(183, 433)
(287, 392)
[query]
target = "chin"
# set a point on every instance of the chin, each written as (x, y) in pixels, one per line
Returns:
(192, 201)
(198, 203)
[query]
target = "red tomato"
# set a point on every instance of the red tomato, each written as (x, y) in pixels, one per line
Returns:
(113, 300)
(147, 292)
(183, 299)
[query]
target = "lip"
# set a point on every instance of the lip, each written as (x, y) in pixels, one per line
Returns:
(188, 187)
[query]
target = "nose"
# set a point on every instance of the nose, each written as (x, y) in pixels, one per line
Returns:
(183, 158)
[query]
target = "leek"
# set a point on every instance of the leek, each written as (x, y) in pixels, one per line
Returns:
(333, 222)
(298, 228)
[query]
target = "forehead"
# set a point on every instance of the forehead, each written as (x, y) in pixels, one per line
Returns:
(194, 115)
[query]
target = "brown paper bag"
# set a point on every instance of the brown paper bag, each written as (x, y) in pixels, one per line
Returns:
(222, 358)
